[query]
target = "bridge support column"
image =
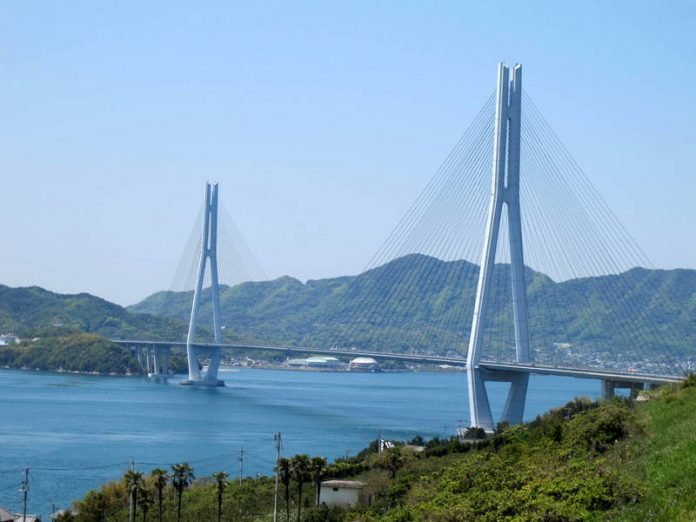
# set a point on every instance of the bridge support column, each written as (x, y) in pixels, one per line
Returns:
(505, 188)
(160, 361)
(148, 359)
(208, 255)
(138, 351)
(609, 388)
(513, 410)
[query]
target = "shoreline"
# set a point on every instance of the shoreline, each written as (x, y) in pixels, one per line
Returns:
(225, 367)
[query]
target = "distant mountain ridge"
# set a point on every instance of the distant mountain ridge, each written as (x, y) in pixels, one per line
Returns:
(428, 312)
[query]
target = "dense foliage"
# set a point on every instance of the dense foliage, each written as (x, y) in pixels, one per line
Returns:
(616, 460)
(69, 351)
(415, 303)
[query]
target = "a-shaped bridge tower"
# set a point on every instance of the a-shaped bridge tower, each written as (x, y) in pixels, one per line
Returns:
(208, 258)
(505, 194)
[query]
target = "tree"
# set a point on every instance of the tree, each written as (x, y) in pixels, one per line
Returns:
(65, 516)
(145, 502)
(391, 460)
(284, 477)
(159, 480)
(221, 483)
(317, 471)
(182, 477)
(134, 481)
(299, 471)
(92, 508)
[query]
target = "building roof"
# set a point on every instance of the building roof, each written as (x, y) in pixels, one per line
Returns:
(347, 484)
(6, 516)
(363, 360)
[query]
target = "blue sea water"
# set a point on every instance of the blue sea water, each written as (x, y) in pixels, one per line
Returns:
(75, 432)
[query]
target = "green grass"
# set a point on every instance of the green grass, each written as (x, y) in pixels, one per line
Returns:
(664, 458)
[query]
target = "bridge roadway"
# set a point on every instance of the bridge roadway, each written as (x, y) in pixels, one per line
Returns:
(490, 366)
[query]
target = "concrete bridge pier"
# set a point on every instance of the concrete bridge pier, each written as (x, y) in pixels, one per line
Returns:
(153, 360)
(160, 361)
(609, 388)
(513, 411)
(137, 351)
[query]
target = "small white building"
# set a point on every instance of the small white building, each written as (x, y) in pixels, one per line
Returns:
(364, 364)
(345, 493)
(8, 339)
(6, 516)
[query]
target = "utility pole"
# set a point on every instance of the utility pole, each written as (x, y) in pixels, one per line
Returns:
(241, 465)
(379, 441)
(278, 444)
(25, 490)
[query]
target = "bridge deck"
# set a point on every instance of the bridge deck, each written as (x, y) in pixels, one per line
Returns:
(491, 366)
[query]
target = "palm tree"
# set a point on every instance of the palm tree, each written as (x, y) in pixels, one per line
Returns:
(182, 477)
(133, 480)
(299, 470)
(284, 477)
(145, 502)
(221, 479)
(317, 470)
(159, 479)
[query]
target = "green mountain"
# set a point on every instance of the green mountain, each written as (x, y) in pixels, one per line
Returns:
(25, 310)
(419, 303)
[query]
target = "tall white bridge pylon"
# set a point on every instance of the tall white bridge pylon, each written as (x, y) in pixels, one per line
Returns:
(505, 195)
(208, 256)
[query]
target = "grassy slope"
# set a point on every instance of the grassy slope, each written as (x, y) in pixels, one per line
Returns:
(577, 473)
(665, 459)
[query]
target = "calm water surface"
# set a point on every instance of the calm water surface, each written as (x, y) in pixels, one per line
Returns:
(75, 432)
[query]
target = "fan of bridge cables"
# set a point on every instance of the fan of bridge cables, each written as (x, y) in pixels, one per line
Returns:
(236, 262)
(593, 301)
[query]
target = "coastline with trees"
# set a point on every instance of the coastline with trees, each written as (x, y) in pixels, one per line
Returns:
(587, 460)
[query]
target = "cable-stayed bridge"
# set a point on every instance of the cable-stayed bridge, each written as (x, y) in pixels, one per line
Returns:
(508, 263)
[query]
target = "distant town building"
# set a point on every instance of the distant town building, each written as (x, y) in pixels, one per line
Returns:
(7, 339)
(364, 364)
(319, 362)
(345, 493)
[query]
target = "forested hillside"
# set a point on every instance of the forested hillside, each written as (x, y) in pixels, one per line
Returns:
(418, 303)
(24, 310)
(70, 352)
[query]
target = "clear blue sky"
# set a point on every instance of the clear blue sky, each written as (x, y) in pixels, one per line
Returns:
(321, 120)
